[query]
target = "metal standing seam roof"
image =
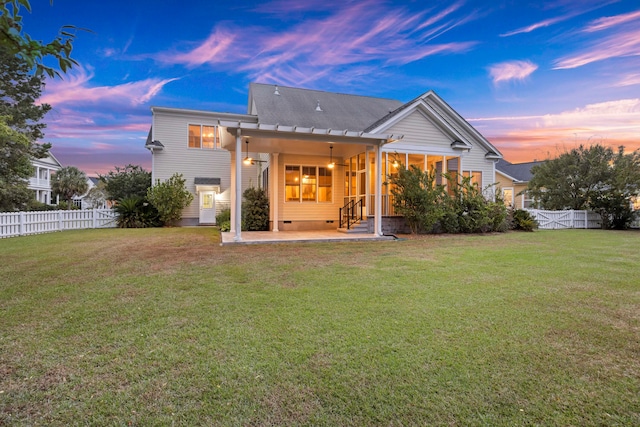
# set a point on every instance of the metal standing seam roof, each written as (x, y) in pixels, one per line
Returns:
(313, 108)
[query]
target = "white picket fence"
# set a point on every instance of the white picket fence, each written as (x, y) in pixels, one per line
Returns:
(25, 223)
(557, 220)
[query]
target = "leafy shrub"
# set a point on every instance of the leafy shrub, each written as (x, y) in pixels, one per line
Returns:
(135, 212)
(417, 198)
(255, 210)
(34, 205)
(522, 220)
(170, 198)
(223, 219)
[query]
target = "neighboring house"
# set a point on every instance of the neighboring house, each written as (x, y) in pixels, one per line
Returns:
(319, 152)
(83, 203)
(40, 182)
(512, 179)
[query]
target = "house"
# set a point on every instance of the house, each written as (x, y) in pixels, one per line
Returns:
(40, 182)
(83, 202)
(512, 179)
(318, 154)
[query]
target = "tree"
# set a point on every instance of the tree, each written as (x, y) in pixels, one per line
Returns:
(127, 182)
(15, 168)
(170, 198)
(33, 52)
(69, 182)
(570, 180)
(592, 178)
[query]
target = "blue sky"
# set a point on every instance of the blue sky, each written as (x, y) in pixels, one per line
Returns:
(535, 78)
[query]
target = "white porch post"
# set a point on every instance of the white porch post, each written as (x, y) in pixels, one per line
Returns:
(232, 194)
(237, 208)
(273, 186)
(377, 218)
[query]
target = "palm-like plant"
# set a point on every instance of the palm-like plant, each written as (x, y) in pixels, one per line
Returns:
(69, 182)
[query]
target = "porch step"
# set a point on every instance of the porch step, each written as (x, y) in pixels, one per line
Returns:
(357, 228)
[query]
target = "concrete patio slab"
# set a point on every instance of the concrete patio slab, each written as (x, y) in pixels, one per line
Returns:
(257, 237)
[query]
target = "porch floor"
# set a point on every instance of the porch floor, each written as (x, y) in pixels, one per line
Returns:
(255, 237)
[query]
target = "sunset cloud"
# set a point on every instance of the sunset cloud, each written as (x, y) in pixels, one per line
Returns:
(76, 89)
(620, 44)
(352, 34)
(612, 21)
(611, 123)
(511, 70)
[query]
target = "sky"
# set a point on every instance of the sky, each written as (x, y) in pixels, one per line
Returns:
(536, 78)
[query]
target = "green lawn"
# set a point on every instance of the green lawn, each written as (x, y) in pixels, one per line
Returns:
(166, 327)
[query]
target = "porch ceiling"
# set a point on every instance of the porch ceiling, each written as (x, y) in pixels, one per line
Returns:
(307, 141)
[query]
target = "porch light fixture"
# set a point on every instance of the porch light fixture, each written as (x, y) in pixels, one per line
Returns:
(332, 164)
(248, 160)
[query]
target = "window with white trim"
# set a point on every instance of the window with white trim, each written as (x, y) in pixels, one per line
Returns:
(204, 136)
(308, 184)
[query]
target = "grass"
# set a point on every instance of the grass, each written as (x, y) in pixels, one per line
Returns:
(166, 327)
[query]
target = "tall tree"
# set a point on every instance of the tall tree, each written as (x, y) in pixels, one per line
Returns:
(127, 182)
(19, 114)
(69, 182)
(15, 168)
(18, 43)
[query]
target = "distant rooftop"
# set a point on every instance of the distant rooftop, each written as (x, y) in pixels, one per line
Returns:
(519, 171)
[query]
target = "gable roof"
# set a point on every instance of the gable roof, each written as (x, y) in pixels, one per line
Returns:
(289, 106)
(517, 171)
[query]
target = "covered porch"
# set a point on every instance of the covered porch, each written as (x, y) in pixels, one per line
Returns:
(305, 173)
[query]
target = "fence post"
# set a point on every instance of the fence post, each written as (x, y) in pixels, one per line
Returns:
(60, 221)
(22, 225)
(95, 218)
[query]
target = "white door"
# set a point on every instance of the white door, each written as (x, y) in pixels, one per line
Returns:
(207, 207)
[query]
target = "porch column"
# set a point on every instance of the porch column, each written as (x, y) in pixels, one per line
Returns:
(377, 218)
(232, 194)
(237, 208)
(273, 188)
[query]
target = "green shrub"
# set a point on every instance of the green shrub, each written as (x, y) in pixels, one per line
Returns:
(223, 220)
(417, 198)
(223, 215)
(522, 220)
(170, 198)
(35, 205)
(135, 212)
(255, 210)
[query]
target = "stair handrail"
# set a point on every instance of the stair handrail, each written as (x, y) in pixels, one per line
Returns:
(352, 213)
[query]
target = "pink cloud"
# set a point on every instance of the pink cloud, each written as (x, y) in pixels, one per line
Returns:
(621, 44)
(351, 33)
(76, 89)
(610, 123)
(511, 70)
(612, 21)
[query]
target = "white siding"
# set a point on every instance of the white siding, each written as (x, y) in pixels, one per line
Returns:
(176, 157)
(422, 136)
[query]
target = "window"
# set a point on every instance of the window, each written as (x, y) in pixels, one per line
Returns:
(325, 185)
(507, 196)
(292, 183)
(202, 136)
(308, 184)
(476, 177)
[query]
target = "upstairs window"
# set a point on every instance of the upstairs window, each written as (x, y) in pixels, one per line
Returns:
(203, 136)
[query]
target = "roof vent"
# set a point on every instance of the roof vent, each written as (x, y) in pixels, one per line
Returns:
(318, 106)
(276, 92)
